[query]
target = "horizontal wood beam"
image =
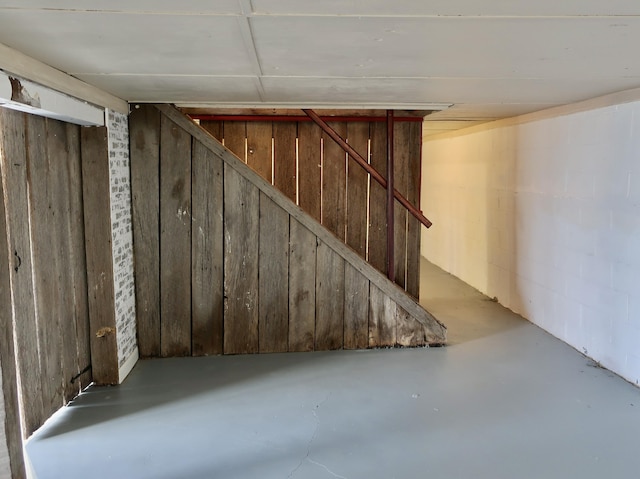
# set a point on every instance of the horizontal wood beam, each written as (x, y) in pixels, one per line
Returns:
(17, 63)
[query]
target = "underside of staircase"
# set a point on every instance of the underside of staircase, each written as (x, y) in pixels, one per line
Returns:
(227, 264)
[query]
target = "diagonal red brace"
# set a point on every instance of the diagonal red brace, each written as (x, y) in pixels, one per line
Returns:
(367, 167)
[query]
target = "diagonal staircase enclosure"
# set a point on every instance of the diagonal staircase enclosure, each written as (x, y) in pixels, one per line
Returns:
(227, 264)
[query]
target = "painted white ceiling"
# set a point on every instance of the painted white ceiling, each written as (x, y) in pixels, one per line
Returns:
(489, 59)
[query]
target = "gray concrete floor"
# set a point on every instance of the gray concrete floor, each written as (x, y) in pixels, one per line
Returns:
(504, 400)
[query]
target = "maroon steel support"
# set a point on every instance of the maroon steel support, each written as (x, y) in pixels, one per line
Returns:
(367, 167)
(390, 207)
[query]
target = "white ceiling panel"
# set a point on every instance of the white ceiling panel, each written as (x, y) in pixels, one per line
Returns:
(431, 90)
(80, 42)
(446, 47)
(182, 6)
(177, 89)
(447, 7)
(490, 58)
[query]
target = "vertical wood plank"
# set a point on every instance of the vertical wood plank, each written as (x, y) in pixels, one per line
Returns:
(144, 131)
(13, 163)
(175, 239)
(97, 220)
(329, 299)
(45, 235)
(259, 135)
(241, 229)
(334, 183)
(356, 309)
(310, 168)
(357, 180)
(410, 333)
(213, 127)
(377, 199)
(10, 423)
(235, 133)
(284, 157)
(414, 227)
(58, 150)
(273, 277)
(401, 153)
(382, 319)
(207, 305)
(302, 287)
(77, 261)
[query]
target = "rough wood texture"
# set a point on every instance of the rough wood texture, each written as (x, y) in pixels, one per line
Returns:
(45, 223)
(15, 179)
(316, 287)
(10, 432)
(334, 183)
(259, 135)
(302, 287)
(175, 239)
(214, 128)
(273, 298)
(357, 181)
(409, 333)
(284, 158)
(97, 220)
(310, 169)
(144, 124)
(414, 227)
(401, 161)
(329, 298)
(382, 319)
(377, 200)
(356, 309)
(77, 261)
(235, 133)
(207, 305)
(241, 226)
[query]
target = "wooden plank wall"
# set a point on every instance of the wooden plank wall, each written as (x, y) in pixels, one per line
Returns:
(264, 276)
(337, 192)
(43, 294)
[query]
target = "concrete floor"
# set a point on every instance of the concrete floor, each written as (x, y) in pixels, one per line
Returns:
(504, 400)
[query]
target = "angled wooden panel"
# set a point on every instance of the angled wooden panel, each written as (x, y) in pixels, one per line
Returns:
(284, 157)
(10, 423)
(259, 135)
(207, 280)
(241, 229)
(97, 221)
(329, 298)
(401, 153)
(14, 173)
(175, 239)
(334, 183)
(302, 287)
(273, 298)
(378, 199)
(410, 333)
(414, 227)
(214, 128)
(382, 319)
(356, 309)
(144, 131)
(235, 133)
(310, 168)
(357, 181)
(77, 261)
(46, 251)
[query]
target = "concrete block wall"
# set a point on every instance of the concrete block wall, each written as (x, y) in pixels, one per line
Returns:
(545, 216)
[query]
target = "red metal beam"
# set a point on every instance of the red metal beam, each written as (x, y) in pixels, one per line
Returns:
(367, 167)
(390, 204)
